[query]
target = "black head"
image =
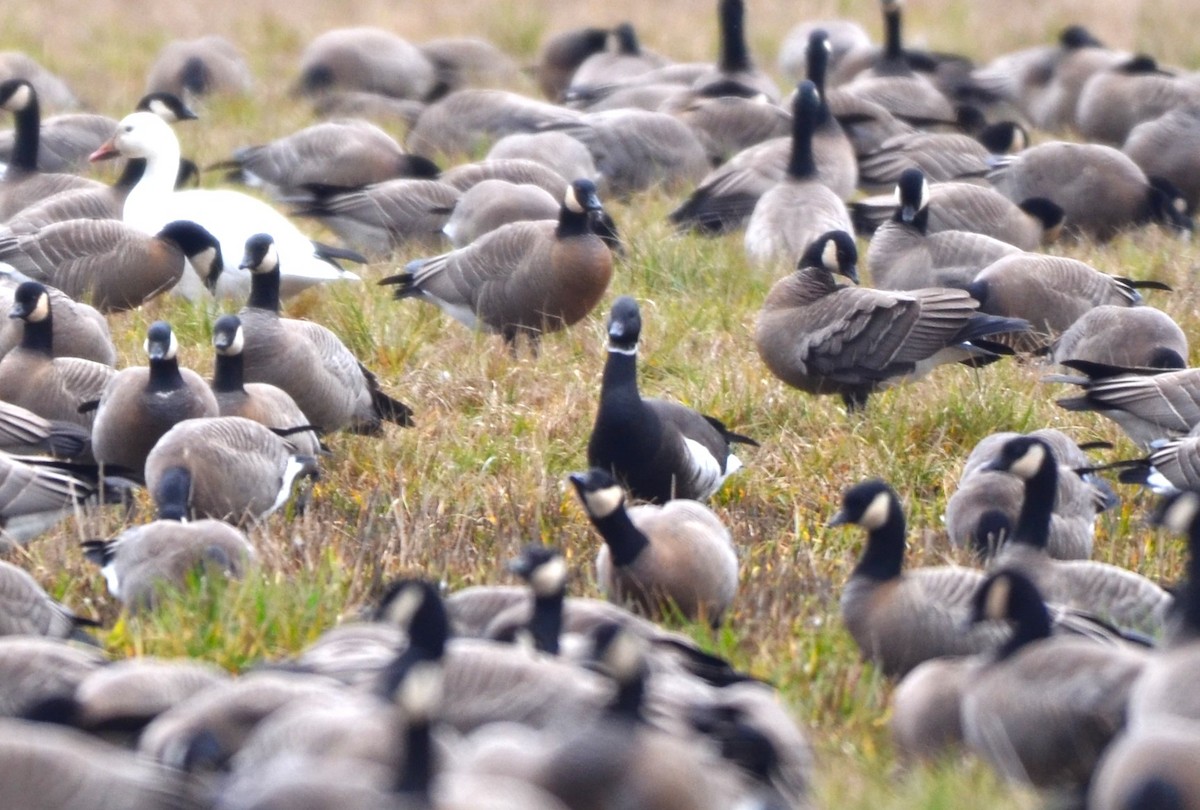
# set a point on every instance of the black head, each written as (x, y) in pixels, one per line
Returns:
(912, 194)
(416, 606)
(201, 248)
(167, 106)
(1163, 357)
(261, 255)
(618, 652)
(627, 40)
(1023, 456)
(1154, 792)
(1049, 213)
(807, 103)
(17, 95)
(173, 494)
(1076, 36)
(581, 196)
(599, 491)
(835, 251)
(624, 324)
(869, 504)
(1141, 64)
(543, 567)
(1003, 137)
(1168, 206)
(31, 303)
(160, 342)
(817, 55)
(227, 336)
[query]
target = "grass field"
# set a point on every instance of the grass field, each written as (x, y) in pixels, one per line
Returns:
(483, 472)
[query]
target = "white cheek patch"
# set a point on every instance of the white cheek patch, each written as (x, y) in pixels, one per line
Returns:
(41, 310)
(571, 201)
(624, 655)
(829, 257)
(421, 690)
(549, 577)
(1182, 512)
(924, 194)
(876, 514)
(172, 348)
(271, 260)
(996, 606)
(20, 99)
(238, 343)
(401, 610)
(603, 502)
(162, 110)
(1030, 462)
(202, 262)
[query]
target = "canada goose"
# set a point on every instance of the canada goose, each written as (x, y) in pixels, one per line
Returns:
(530, 277)
(627, 60)
(111, 264)
(545, 571)
(394, 112)
(561, 54)
(659, 450)
(305, 359)
(142, 560)
(1051, 292)
(138, 405)
(52, 90)
(1149, 768)
(79, 330)
(903, 255)
(229, 215)
(676, 554)
(368, 59)
(380, 218)
(342, 155)
(23, 432)
(898, 618)
(1045, 709)
(465, 120)
(487, 205)
(636, 150)
(882, 336)
(1115, 100)
(557, 150)
(789, 217)
(983, 510)
(352, 653)
(23, 184)
(1129, 337)
(1100, 190)
(968, 207)
(1123, 597)
(1172, 466)
(843, 36)
(36, 671)
(467, 62)
(29, 610)
(225, 468)
(32, 377)
(1148, 404)
(210, 65)
(266, 404)
(925, 721)
(734, 66)
(1168, 147)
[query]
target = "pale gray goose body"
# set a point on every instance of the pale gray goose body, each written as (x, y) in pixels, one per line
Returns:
(365, 58)
(558, 151)
(27, 610)
(36, 670)
(37, 493)
(1169, 147)
(210, 65)
(487, 205)
(1116, 100)
(1129, 337)
(1148, 404)
(466, 120)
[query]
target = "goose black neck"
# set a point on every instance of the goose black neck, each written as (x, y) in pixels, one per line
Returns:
(801, 164)
(734, 54)
(1031, 619)
(38, 336)
(27, 122)
(131, 174)
(619, 382)
(818, 65)
(625, 541)
(1033, 523)
(920, 221)
(227, 374)
(418, 760)
(173, 493)
(264, 291)
(893, 46)
(572, 223)
(627, 704)
(165, 375)
(883, 557)
(546, 622)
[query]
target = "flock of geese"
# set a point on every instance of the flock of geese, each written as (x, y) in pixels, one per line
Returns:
(1061, 672)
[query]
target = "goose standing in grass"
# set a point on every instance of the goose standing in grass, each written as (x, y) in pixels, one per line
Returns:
(32, 377)
(225, 468)
(140, 404)
(111, 264)
(659, 450)
(526, 277)
(826, 338)
(677, 556)
(309, 362)
(230, 216)
(23, 184)
(789, 217)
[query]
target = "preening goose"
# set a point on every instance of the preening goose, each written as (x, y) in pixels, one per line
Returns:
(23, 183)
(32, 377)
(333, 389)
(675, 556)
(903, 255)
(1045, 709)
(789, 217)
(269, 405)
(658, 450)
(230, 216)
(140, 404)
(902, 618)
(111, 264)
(1123, 597)
(210, 65)
(826, 338)
(526, 277)
(225, 468)
(1127, 337)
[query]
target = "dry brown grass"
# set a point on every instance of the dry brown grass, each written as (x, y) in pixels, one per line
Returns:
(483, 471)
